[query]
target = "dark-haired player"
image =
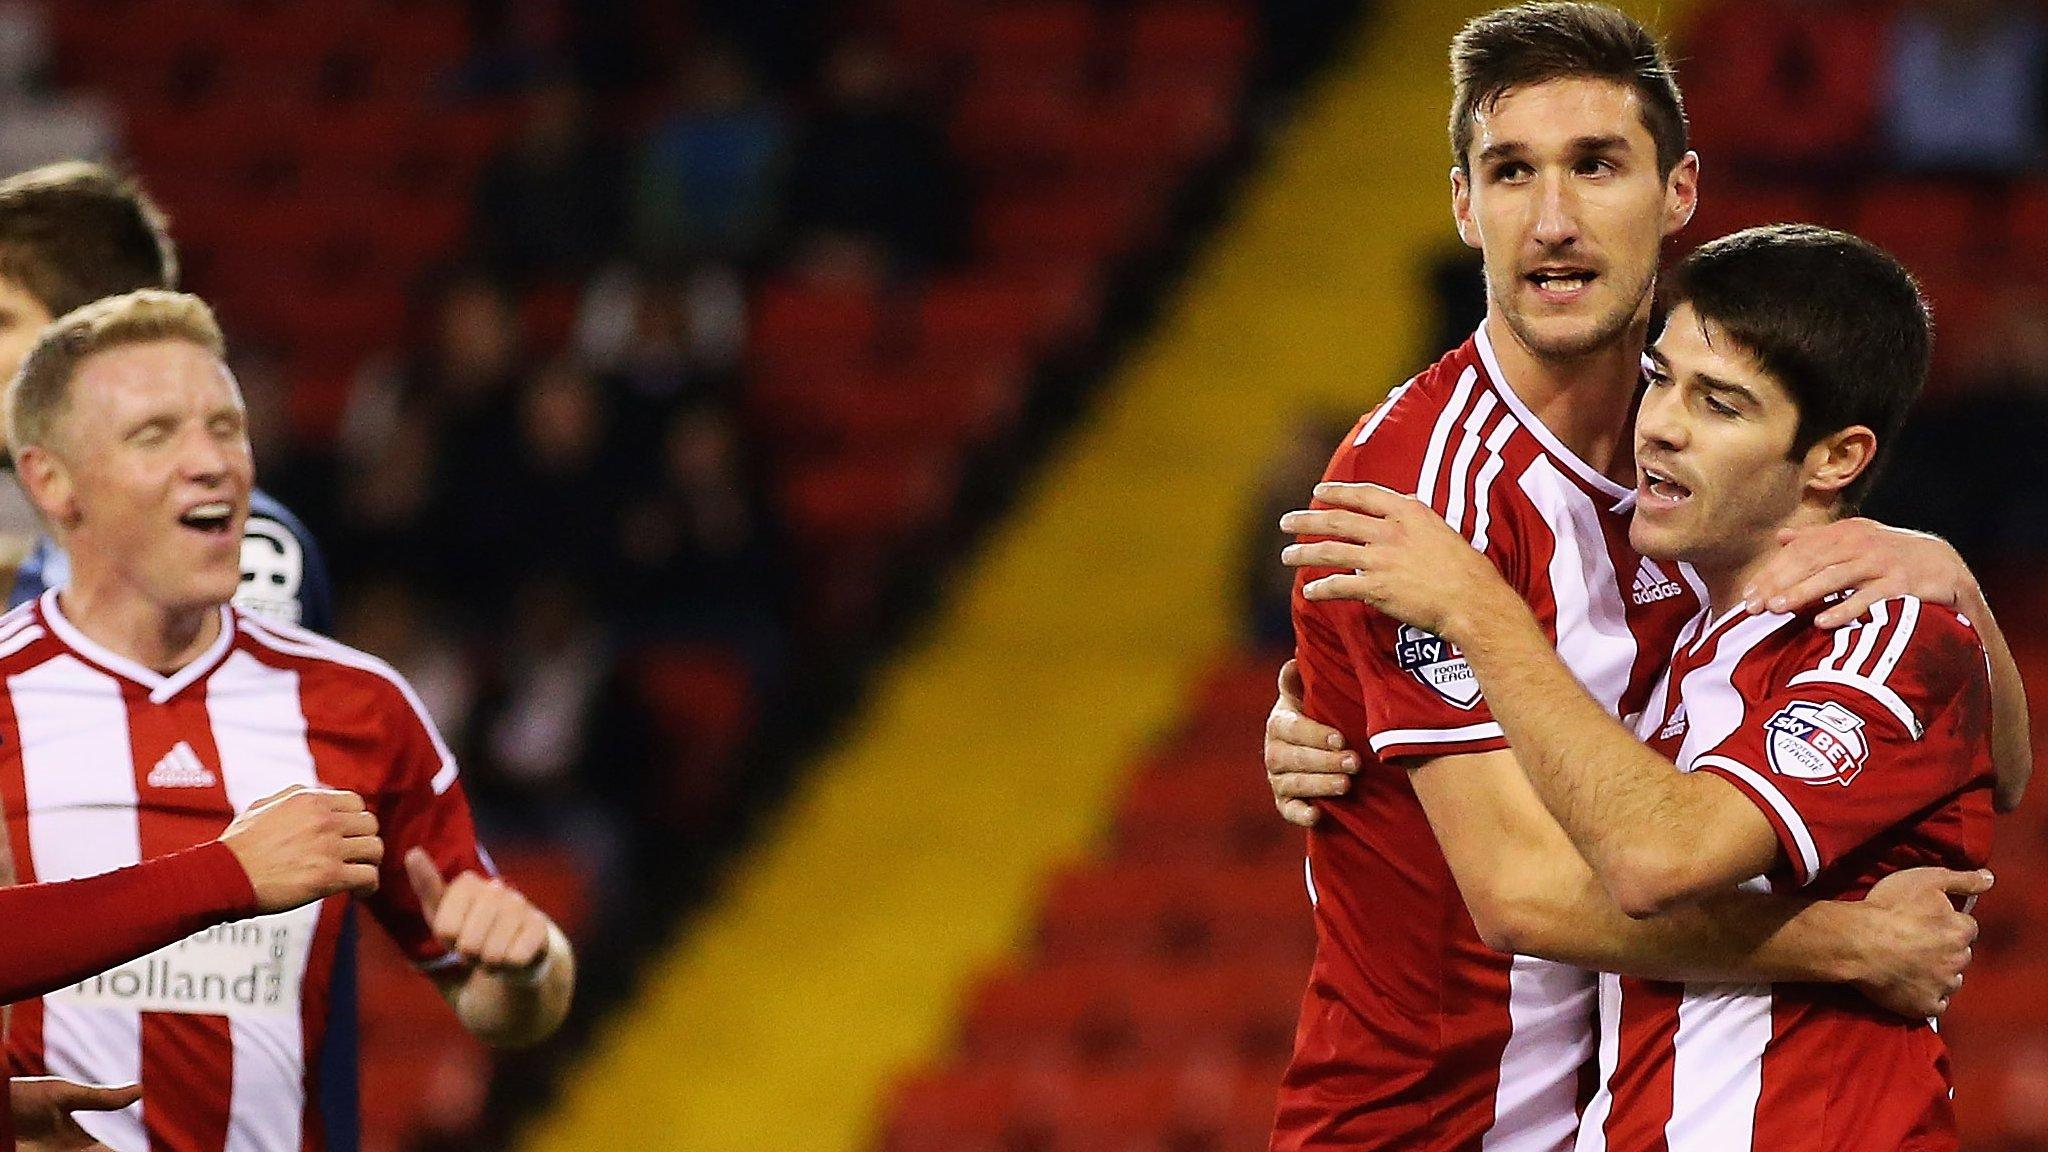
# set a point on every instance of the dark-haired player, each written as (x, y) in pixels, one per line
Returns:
(1437, 1016)
(1809, 759)
(72, 233)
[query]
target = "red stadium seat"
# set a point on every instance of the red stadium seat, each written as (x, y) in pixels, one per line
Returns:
(863, 499)
(702, 699)
(797, 325)
(1738, 206)
(1082, 225)
(1933, 227)
(1177, 42)
(1802, 87)
(1032, 42)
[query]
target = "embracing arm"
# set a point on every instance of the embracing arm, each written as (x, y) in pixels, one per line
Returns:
(1529, 891)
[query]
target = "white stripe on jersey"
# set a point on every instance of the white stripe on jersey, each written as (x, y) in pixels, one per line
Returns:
(1461, 464)
(1486, 731)
(260, 728)
(1866, 638)
(20, 638)
(1593, 636)
(1713, 708)
(1425, 483)
(1482, 488)
(78, 774)
(293, 641)
(1534, 1107)
(1909, 616)
(1372, 423)
(1593, 1129)
(1717, 1078)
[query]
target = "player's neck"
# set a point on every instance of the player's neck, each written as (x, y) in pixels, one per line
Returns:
(1586, 401)
(160, 639)
(1727, 577)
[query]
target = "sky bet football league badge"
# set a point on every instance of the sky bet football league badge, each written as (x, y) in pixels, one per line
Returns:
(1438, 664)
(1817, 743)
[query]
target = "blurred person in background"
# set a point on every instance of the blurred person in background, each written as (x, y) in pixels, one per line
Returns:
(548, 205)
(872, 168)
(130, 438)
(708, 173)
(1965, 86)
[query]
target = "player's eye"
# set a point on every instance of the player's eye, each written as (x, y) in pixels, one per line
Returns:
(1511, 172)
(1720, 407)
(1595, 166)
(1657, 378)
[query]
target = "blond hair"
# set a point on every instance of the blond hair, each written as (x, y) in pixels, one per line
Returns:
(40, 392)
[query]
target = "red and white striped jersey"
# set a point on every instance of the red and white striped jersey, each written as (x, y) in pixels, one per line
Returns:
(104, 763)
(1869, 750)
(1415, 1035)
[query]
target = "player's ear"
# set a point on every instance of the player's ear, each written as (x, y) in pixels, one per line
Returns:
(1461, 206)
(1837, 459)
(1681, 193)
(48, 483)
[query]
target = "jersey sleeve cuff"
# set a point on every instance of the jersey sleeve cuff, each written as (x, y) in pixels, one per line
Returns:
(1398, 743)
(1793, 835)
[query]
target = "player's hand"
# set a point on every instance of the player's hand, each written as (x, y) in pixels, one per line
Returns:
(306, 844)
(1401, 556)
(487, 922)
(1917, 944)
(1305, 761)
(43, 1105)
(1868, 560)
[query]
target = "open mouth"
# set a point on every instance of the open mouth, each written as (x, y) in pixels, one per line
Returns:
(1562, 284)
(212, 518)
(1656, 488)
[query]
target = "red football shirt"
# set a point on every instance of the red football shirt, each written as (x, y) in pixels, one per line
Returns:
(106, 763)
(1413, 1034)
(1869, 750)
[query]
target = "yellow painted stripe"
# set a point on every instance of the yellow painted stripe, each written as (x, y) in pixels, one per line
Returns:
(915, 855)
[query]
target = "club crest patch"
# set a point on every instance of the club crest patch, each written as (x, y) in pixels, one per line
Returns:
(1438, 664)
(1816, 743)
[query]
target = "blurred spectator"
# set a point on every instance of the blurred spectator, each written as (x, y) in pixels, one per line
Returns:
(1290, 484)
(874, 169)
(695, 547)
(386, 617)
(707, 175)
(513, 46)
(660, 344)
(1966, 88)
(552, 668)
(548, 206)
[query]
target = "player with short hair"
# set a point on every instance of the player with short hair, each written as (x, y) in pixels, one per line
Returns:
(143, 711)
(75, 232)
(1810, 759)
(1422, 1028)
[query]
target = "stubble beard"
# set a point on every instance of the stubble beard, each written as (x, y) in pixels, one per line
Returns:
(1601, 334)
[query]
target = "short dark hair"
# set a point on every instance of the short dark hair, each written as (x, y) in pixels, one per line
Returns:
(72, 233)
(1532, 43)
(1832, 317)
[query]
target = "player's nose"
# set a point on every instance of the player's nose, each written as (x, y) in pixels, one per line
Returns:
(1557, 221)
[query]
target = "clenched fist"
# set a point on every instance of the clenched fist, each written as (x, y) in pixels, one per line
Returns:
(306, 844)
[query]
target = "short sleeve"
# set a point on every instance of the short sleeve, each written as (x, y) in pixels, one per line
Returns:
(1877, 723)
(422, 806)
(1420, 698)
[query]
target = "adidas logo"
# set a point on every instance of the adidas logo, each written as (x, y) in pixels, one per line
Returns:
(181, 768)
(1675, 726)
(1653, 585)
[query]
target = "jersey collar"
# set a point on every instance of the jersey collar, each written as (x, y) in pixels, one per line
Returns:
(1624, 498)
(161, 687)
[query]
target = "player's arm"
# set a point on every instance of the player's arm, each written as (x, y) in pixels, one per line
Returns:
(286, 850)
(1654, 836)
(1530, 891)
(1875, 562)
(513, 972)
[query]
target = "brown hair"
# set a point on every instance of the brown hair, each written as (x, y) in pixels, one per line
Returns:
(40, 392)
(72, 233)
(1531, 43)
